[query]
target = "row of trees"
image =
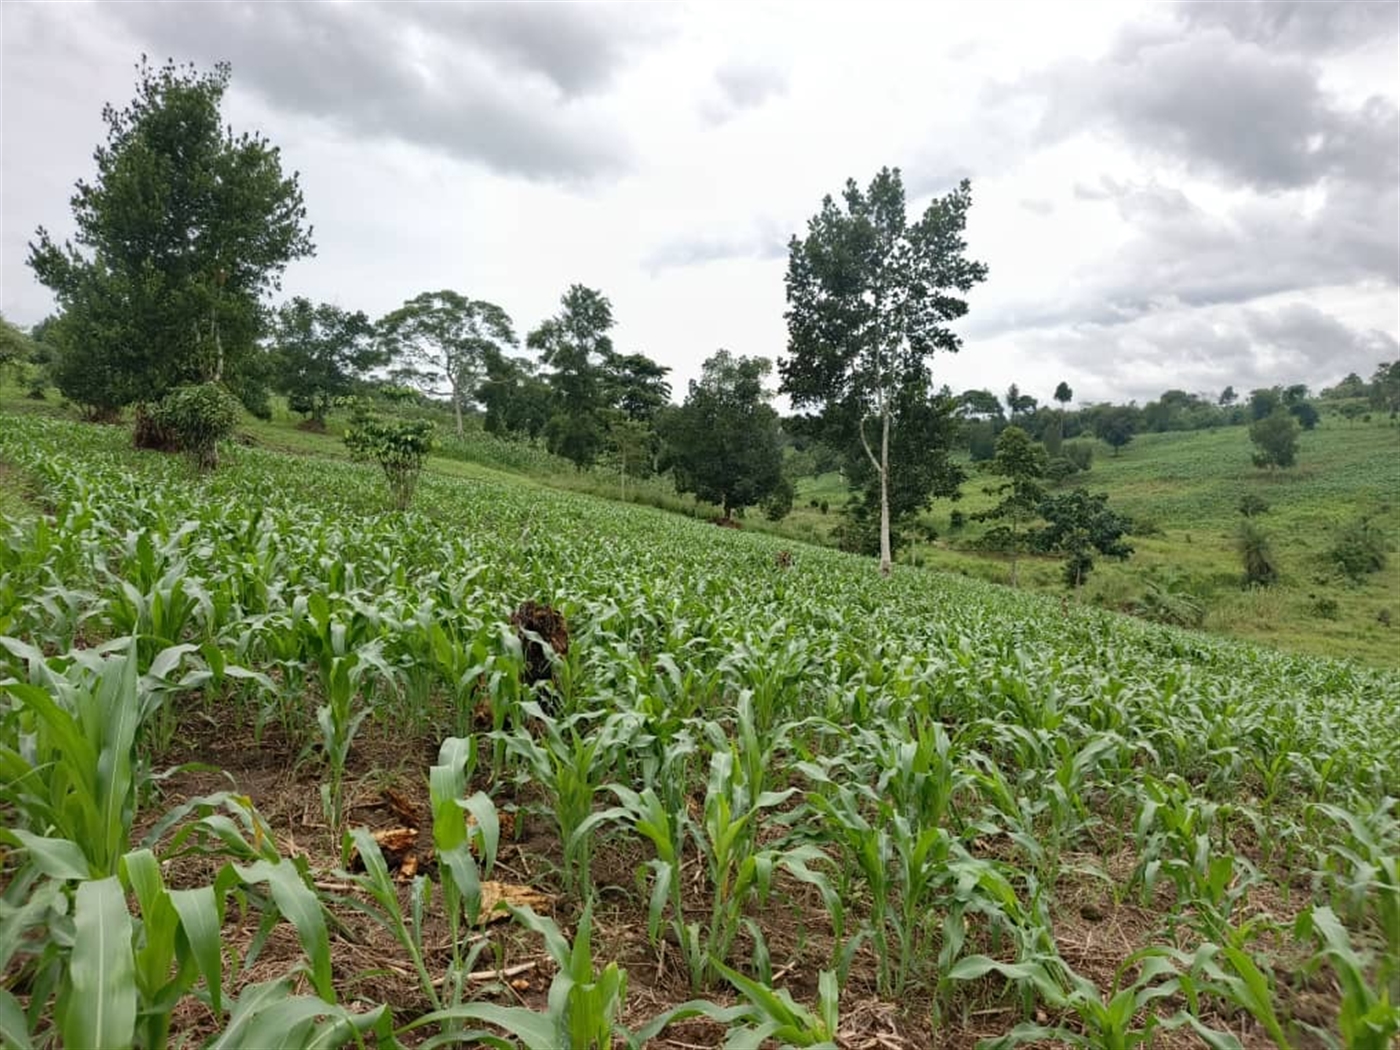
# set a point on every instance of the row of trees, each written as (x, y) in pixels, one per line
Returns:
(187, 230)
(1174, 410)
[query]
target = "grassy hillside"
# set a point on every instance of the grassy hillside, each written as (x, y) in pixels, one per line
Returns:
(1185, 489)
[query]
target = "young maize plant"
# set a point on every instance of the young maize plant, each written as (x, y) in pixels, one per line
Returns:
(925, 768)
(582, 1008)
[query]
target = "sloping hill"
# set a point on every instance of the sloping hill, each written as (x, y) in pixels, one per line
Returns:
(931, 778)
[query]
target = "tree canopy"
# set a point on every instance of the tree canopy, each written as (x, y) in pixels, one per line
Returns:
(1275, 439)
(870, 298)
(1079, 526)
(575, 345)
(723, 444)
(322, 352)
(184, 231)
(445, 339)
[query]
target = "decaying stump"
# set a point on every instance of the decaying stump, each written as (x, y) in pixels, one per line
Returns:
(552, 630)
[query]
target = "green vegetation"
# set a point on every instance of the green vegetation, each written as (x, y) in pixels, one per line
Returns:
(399, 446)
(1183, 491)
(871, 297)
(944, 785)
(184, 231)
(680, 744)
(723, 443)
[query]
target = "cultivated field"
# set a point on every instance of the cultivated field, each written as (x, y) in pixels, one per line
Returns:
(1185, 490)
(273, 759)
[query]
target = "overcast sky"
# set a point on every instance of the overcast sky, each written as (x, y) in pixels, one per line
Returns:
(1167, 195)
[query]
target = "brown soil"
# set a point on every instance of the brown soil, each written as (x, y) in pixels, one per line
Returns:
(386, 792)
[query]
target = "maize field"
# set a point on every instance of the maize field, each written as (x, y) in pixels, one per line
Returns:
(281, 767)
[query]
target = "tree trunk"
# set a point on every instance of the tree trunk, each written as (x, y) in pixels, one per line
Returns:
(457, 408)
(885, 558)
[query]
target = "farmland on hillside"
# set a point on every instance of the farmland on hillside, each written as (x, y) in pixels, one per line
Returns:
(1183, 489)
(276, 761)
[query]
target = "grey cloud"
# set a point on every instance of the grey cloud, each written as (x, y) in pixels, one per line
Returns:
(1084, 192)
(765, 242)
(1305, 26)
(1304, 330)
(489, 85)
(1181, 255)
(741, 86)
(1205, 350)
(1037, 206)
(1221, 107)
(578, 48)
(922, 180)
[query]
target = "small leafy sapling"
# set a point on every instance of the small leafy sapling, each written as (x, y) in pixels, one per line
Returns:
(399, 446)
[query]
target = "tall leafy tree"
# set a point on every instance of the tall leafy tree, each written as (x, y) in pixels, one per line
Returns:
(1063, 394)
(723, 443)
(1022, 463)
(1116, 425)
(1385, 386)
(636, 386)
(443, 340)
(1264, 401)
(516, 398)
(15, 345)
(322, 352)
(184, 231)
(980, 404)
(1017, 403)
(575, 345)
(870, 299)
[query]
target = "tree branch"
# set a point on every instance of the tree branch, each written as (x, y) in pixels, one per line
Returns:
(865, 444)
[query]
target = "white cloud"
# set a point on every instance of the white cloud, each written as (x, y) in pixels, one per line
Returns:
(511, 152)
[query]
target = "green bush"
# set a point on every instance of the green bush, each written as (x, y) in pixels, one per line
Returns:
(1171, 597)
(1060, 468)
(399, 446)
(1251, 506)
(1323, 607)
(1359, 549)
(191, 419)
(1080, 453)
(1260, 567)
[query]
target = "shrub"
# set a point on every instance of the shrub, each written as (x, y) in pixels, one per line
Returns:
(1251, 506)
(1260, 568)
(1383, 617)
(1323, 607)
(1171, 597)
(779, 503)
(399, 446)
(1060, 468)
(1146, 527)
(956, 521)
(1359, 549)
(191, 419)
(1080, 453)
(1275, 440)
